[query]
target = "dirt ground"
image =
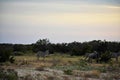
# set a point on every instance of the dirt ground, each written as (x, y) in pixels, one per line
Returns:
(29, 68)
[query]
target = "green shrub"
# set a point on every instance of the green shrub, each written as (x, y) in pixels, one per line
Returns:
(113, 67)
(8, 75)
(105, 57)
(56, 61)
(12, 59)
(82, 63)
(102, 69)
(6, 54)
(41, 68)
(18, 53)
(68, 72)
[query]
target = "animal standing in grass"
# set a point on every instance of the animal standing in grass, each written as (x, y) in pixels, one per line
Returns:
(42, 54)
(115, 55)
(90, 56)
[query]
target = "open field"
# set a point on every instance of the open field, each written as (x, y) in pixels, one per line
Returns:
(63, 67)
(63, 58)
(48, 61)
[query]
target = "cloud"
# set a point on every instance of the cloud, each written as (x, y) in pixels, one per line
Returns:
(45, 7)
(65, 19)
(112, 2)
(69, 20)
(59, 13)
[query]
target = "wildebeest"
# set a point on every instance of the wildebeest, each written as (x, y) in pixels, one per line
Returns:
(115, 55)
(90, 56)
(42, 54)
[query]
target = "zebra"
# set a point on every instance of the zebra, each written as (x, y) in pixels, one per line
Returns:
(42, 54)
(115, 55)
(90, 56)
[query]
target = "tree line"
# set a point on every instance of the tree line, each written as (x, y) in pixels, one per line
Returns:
(73, 48)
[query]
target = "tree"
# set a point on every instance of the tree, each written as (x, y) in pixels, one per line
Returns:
(87, 48)
(41, 45)
(5, 53)
(43, 42)
(75, 48)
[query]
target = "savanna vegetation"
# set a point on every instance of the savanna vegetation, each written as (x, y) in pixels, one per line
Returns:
(66, 57)
(73, 48)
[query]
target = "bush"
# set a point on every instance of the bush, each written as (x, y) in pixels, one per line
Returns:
(8, 75)
(82, 63)
(17, 53)
(12, 59)
(5, 54)
(68, 72)
(41, 68)
(55, 61)
(105, 57)
(102, 69)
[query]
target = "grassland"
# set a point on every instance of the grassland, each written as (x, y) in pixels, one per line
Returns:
(75, 66)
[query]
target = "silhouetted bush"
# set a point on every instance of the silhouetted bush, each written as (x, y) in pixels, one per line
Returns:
(73, 48)
(12, 59)
(68, 72)
(18, 53)
(8, 75)
(105, 57)
(5, 54)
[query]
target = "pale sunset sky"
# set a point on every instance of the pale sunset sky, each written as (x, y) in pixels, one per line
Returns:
(26, 21)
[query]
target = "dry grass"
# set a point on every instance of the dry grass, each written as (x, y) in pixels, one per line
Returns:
(60, 60)
(87, 74)
(28, 58)
(92, 74)
(33, 58)
(97, 65)
(49, 61)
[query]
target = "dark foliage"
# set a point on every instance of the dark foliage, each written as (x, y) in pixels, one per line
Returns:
(5, 52)
(73, 48)
(22, 48)
(8, 74)
(12, 59)
(17, 53)
(41, 45)
(105, 57)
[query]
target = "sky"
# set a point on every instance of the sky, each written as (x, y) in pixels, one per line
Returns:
(26, 21)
